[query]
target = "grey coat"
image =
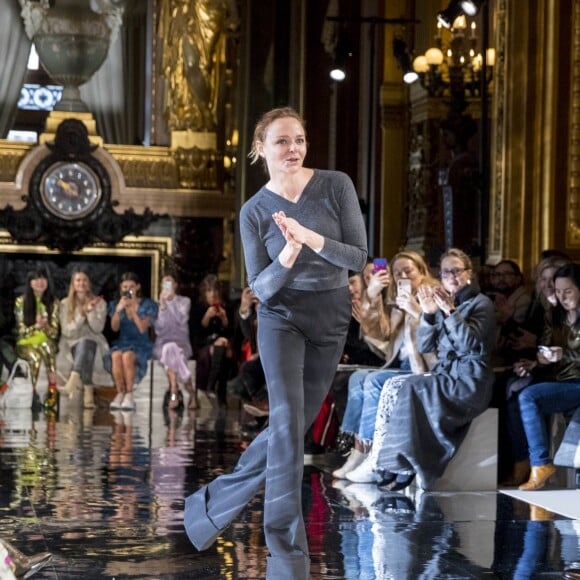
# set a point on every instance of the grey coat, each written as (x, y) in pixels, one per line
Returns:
(434, 410)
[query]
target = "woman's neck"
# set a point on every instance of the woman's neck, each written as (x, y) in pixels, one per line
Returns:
(571, 316)
(290, 186)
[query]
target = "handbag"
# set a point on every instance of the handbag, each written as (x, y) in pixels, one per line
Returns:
(325, 426)
(18, 395)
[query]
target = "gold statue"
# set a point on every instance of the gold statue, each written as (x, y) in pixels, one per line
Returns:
(194, 35)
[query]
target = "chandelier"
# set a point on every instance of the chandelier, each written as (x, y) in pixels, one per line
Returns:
(454, 66)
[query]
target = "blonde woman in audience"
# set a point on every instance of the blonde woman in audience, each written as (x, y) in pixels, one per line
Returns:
(82, 343)
(390, 320)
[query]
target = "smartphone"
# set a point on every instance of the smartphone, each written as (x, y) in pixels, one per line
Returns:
(167, 285)
(379, 264)
(403, 286)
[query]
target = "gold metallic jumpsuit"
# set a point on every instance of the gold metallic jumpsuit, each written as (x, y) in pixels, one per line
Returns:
(33, 345)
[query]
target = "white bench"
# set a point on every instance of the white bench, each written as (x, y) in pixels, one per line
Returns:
(474, 467)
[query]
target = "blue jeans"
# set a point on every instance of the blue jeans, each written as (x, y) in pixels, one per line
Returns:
(364, 392)
(537, 401)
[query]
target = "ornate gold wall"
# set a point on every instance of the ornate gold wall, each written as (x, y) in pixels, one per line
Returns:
(536, 145)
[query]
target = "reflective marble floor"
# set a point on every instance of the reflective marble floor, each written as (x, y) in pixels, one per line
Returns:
(104, 493)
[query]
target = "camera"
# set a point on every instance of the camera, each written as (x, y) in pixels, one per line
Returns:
(128, 294)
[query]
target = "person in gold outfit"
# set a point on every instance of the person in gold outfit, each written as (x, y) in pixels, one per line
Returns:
(193, 37)
(37, 326)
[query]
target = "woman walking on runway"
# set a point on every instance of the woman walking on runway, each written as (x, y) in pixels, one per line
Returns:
(301, 233)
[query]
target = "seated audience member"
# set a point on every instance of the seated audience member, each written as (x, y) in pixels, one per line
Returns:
(523, 341)
(423, 418)
(172, 345)
(250, 380)
(211, 332)
(131, 316)
(558, 358)
(392, 325)
(511, 302)
(37, 327)
(82, 343)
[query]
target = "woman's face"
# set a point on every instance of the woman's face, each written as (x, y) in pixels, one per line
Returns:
(454, 274)
(567, 293)
(545, 282)
(130, 286)
(39, 285)
(284, 146)
(405, 268)
(81, 283)
(355, 287)
(212, 296)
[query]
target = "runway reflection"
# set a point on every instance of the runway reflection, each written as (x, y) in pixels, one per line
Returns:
(104, 493)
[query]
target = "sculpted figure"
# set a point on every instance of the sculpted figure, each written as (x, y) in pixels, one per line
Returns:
(194, 34)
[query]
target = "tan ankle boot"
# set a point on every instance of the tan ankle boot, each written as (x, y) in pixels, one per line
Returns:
(89, 397)
(74, 382)
(538, 477)
(520, 474)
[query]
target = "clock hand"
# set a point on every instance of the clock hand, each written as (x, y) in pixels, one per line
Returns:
(70, 188)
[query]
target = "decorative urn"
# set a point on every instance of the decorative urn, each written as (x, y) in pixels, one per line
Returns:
(72, 39)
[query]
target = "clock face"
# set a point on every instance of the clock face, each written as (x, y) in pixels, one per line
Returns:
(70, 190)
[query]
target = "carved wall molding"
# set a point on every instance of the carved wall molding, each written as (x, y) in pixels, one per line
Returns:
(498, 151)
(157, 177)
(573, 201)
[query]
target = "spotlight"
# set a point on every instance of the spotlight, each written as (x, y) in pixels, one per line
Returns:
(471, 7)
(342, 53)
(403, 59)
(447, 17)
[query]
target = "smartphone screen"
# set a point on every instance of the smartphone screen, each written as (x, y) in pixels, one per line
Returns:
(167, 285)
(404, 285)
(379, 264)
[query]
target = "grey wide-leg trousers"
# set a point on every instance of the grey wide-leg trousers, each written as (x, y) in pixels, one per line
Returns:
(301, 338)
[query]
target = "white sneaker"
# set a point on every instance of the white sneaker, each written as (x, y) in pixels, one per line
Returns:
(128, 403)
(364, 473)
(355, 458)
(117, 401)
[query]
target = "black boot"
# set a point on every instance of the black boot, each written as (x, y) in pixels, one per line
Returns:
(219, 352)
(402, 481)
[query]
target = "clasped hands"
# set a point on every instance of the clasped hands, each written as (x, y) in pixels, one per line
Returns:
(433, 298)
(294, 233)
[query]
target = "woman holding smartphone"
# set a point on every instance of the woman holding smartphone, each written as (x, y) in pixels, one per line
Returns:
(559, 357)
(211, 330)
(389, 321)
(131, 316)
(172, 345)
(457, 323)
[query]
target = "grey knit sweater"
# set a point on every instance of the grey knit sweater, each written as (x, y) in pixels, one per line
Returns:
(329, 206)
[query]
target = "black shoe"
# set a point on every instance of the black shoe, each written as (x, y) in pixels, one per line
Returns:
(388, 478)
(402, 481)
